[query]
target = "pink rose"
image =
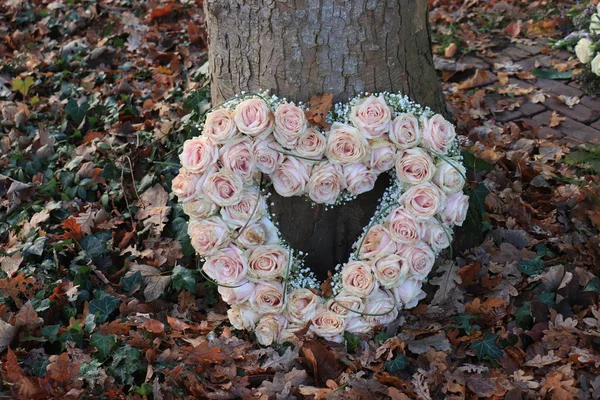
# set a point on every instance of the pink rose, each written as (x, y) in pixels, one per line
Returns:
(238, 294)
(266, 156)
(358, 325)
(208, 235)
(438, 134)
(242, 316)
(357, 278)
(325, 184)
(391, 271)
(420, 259)
(409, 293)
(345, 304)
(267, 297)
(381, 302)
(254, 117)
(311, 144)
(228, 266)
(236, 156)
(224, 188)
(436, 235)
(268, 262)
(423, 201)
(450, 177)
(200, 208)
(198, 154)
(414, 166)
(383, 156)
(346, 145)
(328, 325)
(187, 185)
(290, 124)
(405, 132)
(269, 328)
(359, 179)
(251, 207)
(301, 306)
(404, 227)
(372, 116)
(377, 243)
(220, 126)
(262, 232)
(290, 177)
(456, 209)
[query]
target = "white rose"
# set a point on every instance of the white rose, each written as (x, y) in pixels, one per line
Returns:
(251, 208)
(583, 50)
(358, 325)
(207, 236)
(290, 124)
(435, 235)
(268, 262)
(409, 293)
(268, 329)
(188, 185)
(325, 184)
(228, 266)
(405, 132)
(290, 177)
(328, 325)
(262, 232)
(359, 178)
(372, 116)
(382, 304)
(450, 177)
(456, 209)
(357, 278)
(237, 294)
(267, 297)
(391, 271)
(415, 166)
(346, 145)
(200, 208)
(266, 156)
(242, 316)
(423, 201)
(301, 306)
(595, 24)
(596, 65)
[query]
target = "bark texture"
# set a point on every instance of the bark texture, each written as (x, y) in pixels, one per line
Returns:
(298, 48)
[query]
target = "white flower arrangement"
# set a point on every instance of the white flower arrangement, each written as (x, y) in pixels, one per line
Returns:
(256, 139)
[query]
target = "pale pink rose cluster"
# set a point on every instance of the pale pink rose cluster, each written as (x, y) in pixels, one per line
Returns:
(230, 225)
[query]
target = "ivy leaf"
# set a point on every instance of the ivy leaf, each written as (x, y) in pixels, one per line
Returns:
(103, 305)
(104, 344)
(131, 283)
(547, 299)
(477, 198)
(22, 85)
(487, 347)
(523, 316)
(184, 278)
(126, 361)
(76, 111)
(543, 251)
(531, 267)
(50, 331)
(93, 246)
(593, 286)
(352, 341)
(477, 164)
(397, 364)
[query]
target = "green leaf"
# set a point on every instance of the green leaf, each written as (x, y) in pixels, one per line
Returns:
(487, 347)
(50, 331)
(103, 305)
(463, 321)
(352, 341)
(39, 367)
(593, 286)
(132, 283)
(477, 164)
(104, 344)
(93, 245)
(523, 316)
(531, 267)
(35, 248)
(543, 251)
(22, 86)
(397, 364)
(127, 360)
(551, 73)
(547, 299)
(184, 278)
(477, 198)
(381, 337)
(76, 111)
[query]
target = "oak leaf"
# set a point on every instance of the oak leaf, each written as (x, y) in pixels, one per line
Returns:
(319, 106)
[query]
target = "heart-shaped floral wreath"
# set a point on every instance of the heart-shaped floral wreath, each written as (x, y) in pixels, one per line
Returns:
(253, 141)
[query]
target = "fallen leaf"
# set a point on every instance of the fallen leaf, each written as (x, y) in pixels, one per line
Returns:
(318, 107)
(555, 119)
(154, 326)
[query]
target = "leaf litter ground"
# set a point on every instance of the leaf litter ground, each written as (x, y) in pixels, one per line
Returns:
(99, 291)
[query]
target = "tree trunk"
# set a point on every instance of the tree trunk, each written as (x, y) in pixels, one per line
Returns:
(298, 48)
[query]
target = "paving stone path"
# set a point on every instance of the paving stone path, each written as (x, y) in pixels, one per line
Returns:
(512, 93)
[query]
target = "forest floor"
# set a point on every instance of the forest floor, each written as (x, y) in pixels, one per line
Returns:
(99, 291)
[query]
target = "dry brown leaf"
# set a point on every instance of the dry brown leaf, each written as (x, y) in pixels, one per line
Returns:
(154, 326)
(450, 51)
(556, 119)
(318, 107)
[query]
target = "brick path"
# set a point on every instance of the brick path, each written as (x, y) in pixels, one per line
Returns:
(519, 98)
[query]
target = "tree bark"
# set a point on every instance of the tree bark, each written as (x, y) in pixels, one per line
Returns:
(298, 48)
